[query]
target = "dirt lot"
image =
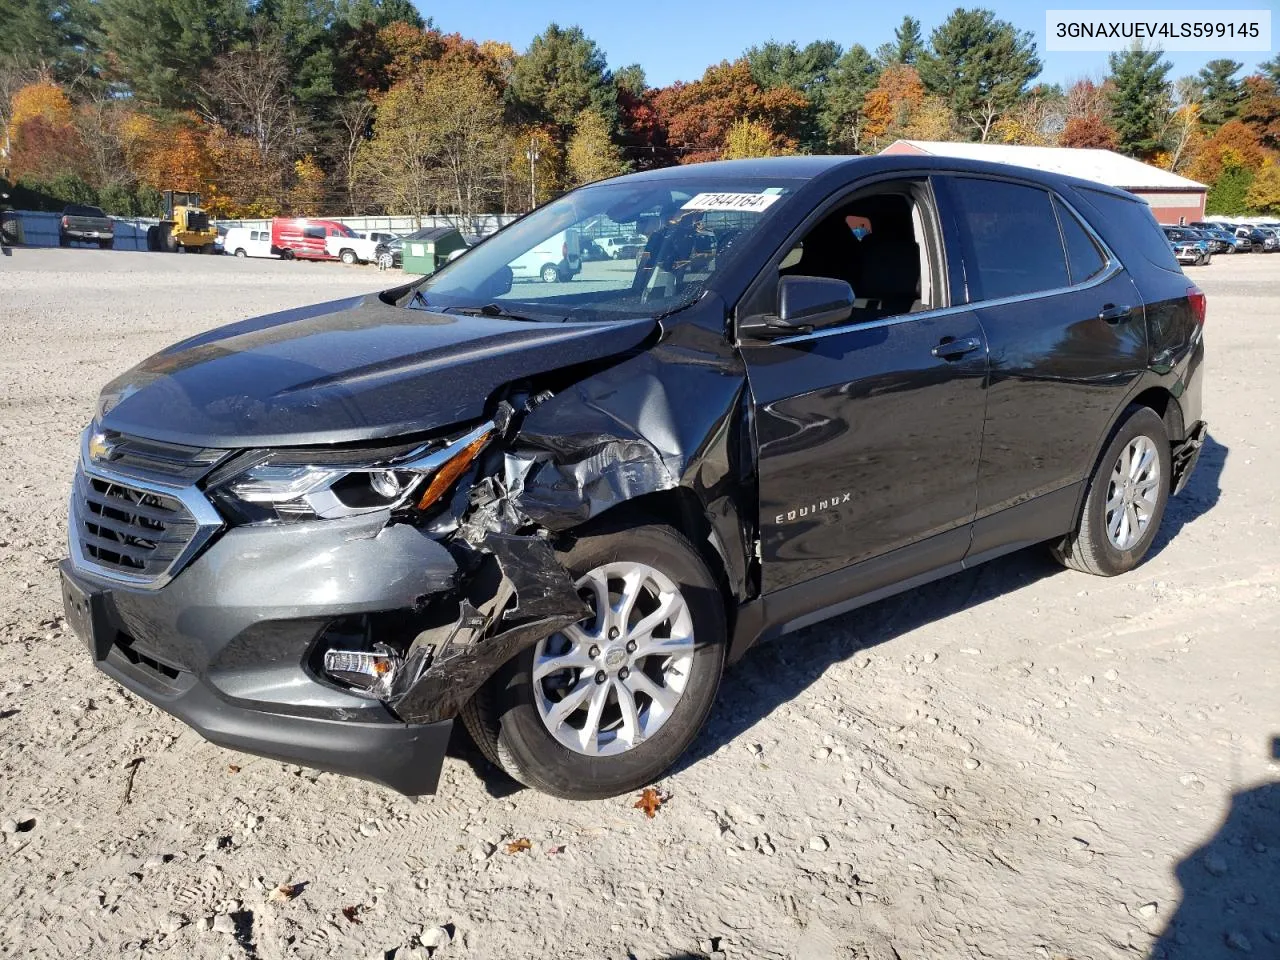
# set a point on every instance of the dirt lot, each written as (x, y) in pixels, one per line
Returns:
(1016, 762)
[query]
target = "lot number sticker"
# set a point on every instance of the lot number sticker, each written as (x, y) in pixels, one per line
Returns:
(750, 202)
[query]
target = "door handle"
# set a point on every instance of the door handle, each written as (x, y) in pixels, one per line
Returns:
(953, 349)
(1114, 313)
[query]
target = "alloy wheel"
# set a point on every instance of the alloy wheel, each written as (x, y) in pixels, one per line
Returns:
(1133, 493)
(606, 684)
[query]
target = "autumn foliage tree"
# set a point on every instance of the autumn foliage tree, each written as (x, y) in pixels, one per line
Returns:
(891, 102)
(699, 115)
(592, 154)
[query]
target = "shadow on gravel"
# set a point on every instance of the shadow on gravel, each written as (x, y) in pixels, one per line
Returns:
(777, 672)
(1231, 886)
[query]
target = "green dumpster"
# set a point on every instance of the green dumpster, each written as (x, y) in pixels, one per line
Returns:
(428, 250)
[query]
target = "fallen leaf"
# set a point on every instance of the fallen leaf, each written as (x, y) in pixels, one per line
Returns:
(519, 846)
(553, 851)
(352, 914)
(285, 892)
(232, 768)
(650, 802)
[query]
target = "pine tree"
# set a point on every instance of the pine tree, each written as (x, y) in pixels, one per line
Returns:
(1139, 89)
(561, 74)
(1220, 92)
(160, 48)
(906, 47)
(980, 65)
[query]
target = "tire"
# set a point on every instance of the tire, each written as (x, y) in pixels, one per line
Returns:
(348, 257)
(167, 240)
(286, 255)
(506, 717)
(549, 273)
(240, 252)
(1094, 548)
(106, 244)
(153, 239)
(63, 241)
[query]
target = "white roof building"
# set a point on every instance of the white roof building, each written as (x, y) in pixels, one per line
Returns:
(1173, 198)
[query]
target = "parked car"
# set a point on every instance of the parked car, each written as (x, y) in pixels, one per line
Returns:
(1187, 252)
(301, 238)
(556, 511)
(1186, 237)
(247, 242)
(350, 248)
(555, 260)
(1227, 240)
(621, 248)
(1270, 239)
(87, 225)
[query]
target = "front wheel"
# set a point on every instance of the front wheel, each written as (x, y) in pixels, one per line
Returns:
(1125, 501)
(607, 705)
(240, 252)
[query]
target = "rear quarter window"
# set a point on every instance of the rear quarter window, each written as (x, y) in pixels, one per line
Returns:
(1129, 227)
(1084, 259)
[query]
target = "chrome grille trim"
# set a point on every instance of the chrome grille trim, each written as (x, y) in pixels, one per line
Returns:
(139, 533)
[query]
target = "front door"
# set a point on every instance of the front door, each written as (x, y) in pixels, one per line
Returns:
(869, 432)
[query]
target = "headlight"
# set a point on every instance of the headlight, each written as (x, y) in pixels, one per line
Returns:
(289, 485)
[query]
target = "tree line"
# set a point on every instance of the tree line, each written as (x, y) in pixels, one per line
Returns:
(315, 107)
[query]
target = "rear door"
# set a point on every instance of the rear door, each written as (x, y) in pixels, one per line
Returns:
(1067, 338)
(868, 432)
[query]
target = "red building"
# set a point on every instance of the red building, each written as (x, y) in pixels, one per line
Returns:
(1173, 199)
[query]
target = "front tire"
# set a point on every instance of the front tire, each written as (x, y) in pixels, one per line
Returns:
(606, 706)
(1125, 501)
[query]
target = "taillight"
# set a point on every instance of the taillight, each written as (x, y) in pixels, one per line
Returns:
(564, 250)
(1195, 297)
(64, 221)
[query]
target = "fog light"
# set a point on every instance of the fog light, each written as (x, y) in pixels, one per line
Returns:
(364, 669)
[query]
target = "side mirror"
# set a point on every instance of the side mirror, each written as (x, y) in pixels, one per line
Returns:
(804, 304)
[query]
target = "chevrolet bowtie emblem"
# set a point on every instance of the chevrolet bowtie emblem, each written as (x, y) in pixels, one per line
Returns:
(100, 448)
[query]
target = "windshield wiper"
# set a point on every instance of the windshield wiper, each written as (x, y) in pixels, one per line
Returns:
(491, 310)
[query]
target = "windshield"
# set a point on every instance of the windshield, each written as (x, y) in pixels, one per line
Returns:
(617, 250)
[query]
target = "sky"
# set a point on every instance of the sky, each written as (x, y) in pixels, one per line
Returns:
(678, 39)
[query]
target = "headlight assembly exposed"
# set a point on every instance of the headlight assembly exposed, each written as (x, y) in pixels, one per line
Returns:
(285, 486)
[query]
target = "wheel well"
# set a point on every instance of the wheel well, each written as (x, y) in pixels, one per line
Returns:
(679, 508)
(1166, 407)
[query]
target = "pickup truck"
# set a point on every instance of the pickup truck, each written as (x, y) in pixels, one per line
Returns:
(88, 224)
(351, 249)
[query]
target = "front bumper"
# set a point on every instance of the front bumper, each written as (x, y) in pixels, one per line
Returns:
(226, 646)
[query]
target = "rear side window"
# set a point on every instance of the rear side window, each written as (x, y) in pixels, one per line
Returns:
(1084, 259)
(1134, 228)
(314, 233)
(1009, 238)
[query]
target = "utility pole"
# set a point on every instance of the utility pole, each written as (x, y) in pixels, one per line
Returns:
(532, 154)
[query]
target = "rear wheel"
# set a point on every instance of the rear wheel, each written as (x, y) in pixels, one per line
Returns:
(550, 273)
(607, 705)
(105, 244)
(240, 252)
(1125, 501)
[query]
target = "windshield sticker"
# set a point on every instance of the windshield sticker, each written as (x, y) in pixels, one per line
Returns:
(750, 202)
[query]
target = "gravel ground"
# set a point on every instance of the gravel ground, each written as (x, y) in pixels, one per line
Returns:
(1018, 761)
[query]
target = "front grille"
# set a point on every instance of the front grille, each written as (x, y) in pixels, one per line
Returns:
(127, 530)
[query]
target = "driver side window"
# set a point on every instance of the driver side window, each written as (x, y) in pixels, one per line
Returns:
(877, 242)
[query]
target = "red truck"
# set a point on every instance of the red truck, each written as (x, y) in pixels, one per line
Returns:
(301, 238)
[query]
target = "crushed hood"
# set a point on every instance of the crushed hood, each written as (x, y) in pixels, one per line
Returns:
(355, 369)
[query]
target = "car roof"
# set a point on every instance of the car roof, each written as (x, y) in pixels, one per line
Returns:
(845, 168)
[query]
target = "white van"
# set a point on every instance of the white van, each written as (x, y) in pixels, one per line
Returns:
(559, 257)
(247, 242)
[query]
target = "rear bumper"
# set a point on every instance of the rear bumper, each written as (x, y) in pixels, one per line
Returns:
(1186, 454)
